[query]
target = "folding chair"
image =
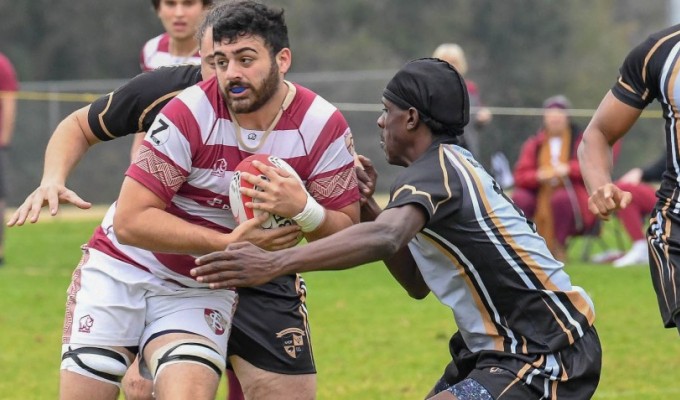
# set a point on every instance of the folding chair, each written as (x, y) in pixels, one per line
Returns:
(594, 237)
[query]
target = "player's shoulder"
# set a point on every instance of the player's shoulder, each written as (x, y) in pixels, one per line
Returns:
(657, 45)
(156, 43)
(314, 110)
(164, 81)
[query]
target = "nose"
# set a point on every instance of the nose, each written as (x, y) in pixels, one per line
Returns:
(180, 10)
(381, 121)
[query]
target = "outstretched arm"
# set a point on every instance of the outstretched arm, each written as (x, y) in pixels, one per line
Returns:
(69, 142)
(243, 264)
(611, 121)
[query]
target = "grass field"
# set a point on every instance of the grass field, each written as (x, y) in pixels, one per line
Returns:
(371, 340)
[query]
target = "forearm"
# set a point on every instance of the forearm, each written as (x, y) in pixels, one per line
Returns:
(8, 119)
(595, 159)
(156, 230)
(356, 245)
(335, 221)
(66, 147)
(370, 211)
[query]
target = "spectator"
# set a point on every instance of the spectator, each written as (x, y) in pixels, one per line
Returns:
(548, 178)
(8, 109)
(454, 55)
(179, 43)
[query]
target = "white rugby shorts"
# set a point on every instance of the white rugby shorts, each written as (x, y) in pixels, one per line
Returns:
(112, 303)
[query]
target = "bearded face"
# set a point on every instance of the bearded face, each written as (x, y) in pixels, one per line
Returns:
(245, 97)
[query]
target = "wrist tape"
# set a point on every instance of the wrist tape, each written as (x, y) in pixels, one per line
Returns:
(312, 216)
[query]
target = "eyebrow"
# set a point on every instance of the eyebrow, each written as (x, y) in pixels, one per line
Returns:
(239, 51)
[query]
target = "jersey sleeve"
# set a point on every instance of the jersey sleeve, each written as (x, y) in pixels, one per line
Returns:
(635, 86)
(133, 107)
(333, 182)
(164, 160)
(430, 183)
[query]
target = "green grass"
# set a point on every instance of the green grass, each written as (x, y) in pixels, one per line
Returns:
(371, 340)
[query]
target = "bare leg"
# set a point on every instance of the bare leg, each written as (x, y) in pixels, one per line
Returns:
(235, 391)
(183, 380)
(259, 384)
(135, 387)
(73, 386)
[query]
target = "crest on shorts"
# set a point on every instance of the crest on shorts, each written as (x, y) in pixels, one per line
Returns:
(293, 341)
(85, 323)
(215, 321)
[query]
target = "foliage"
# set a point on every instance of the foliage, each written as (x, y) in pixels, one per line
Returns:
(519, 51)
(371, 340)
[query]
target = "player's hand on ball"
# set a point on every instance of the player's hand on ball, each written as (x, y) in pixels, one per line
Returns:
(281, 193)
(241, 264)
(271, 239)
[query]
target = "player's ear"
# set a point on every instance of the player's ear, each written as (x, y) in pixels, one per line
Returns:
(284, 58)
(413, 118)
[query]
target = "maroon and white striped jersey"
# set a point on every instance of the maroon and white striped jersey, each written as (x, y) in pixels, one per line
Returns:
(156, 53)
(193, 146)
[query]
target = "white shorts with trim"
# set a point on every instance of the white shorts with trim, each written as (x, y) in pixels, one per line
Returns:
(112, 303)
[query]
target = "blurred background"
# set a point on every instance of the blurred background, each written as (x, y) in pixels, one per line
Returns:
(519, 52)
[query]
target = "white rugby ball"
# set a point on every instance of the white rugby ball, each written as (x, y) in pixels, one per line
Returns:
(237, 200)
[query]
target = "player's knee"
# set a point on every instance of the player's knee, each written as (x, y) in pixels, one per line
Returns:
(101, 363)
(137, 388)
(201, 352)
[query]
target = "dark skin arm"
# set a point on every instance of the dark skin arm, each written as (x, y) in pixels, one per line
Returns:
(243, 264)
(611, 121)
(402, 266)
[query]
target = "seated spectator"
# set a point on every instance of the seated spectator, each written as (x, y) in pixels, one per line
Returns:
(632, 217)
(548, 183)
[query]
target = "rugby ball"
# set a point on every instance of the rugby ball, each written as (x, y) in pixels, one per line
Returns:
(237, 200)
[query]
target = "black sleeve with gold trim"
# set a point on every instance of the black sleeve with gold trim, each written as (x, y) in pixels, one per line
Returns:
(431, 183)
(132, 107)
(642, 70)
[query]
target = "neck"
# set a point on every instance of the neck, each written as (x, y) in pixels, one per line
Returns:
(183, 48)
(262, 118)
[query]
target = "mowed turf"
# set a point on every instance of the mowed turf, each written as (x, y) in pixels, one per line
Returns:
(371, 340)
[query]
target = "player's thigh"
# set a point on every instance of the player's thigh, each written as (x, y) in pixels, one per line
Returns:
(74, 386)
(259, 384)
(186, 325)
(271, 329)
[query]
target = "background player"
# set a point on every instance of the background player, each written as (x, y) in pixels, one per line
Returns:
(647, 73)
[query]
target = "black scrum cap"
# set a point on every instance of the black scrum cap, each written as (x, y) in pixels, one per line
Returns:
(435, 89)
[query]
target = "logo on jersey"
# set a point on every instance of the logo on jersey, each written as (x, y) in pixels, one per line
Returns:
(217, 202)
(293, 341)
(85, 324)
(252, 136)
(159, 133)
(215, 321)
(349, 142)
(219, 169)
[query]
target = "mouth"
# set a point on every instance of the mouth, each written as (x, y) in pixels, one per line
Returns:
(237, 89)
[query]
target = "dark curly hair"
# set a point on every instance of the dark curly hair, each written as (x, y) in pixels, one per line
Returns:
(250, 18)
(157, 3)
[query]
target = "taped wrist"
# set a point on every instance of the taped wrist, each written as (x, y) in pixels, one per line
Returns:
(312, 216)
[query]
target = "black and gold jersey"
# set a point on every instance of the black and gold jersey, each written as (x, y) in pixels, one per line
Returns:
(481, 257)
(132, 107)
